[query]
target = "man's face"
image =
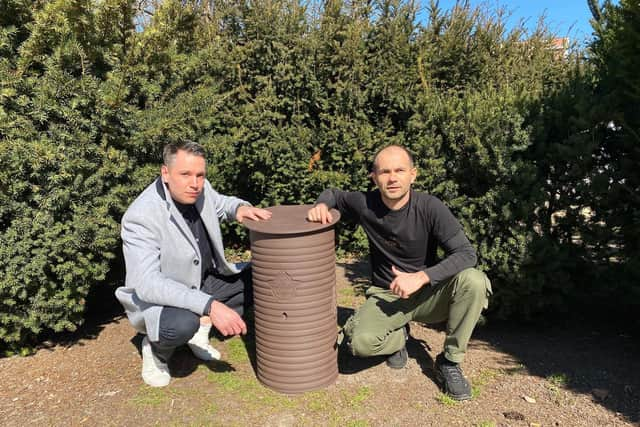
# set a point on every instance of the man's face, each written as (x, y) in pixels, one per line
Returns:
(185, 177)
(393, 174)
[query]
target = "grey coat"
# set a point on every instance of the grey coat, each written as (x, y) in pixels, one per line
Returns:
(162, 257)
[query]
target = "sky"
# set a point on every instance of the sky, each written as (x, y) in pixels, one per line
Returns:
(565, 18)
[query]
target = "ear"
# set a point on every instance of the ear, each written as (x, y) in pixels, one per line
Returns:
(414, 174)
(164, 171)
(372, 177)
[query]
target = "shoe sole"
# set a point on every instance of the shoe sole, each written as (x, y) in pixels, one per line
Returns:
(396, 366)
(443, 385)
(399, 366)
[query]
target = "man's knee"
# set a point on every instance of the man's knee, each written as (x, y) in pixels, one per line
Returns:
(364, 344)
(177, 326)
(472, 281)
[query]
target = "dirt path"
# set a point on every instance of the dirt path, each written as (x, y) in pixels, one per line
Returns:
(560, 377)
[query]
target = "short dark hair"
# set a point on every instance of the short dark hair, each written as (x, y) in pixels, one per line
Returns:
(380, 150)
(171, 150)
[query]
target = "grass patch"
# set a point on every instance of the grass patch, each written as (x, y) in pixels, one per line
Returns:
(233, 382)
(272, 400)
(446, 400)
(360, 397)
(357, 423)
(347, 291)
(558, 380)
(150, 396)
(237, 351)
(483, 378)
(342, 421)
(347, 296)
(321, 402)
(250, 391)
(555, 384)
(475, 391)
(486, 424)
(318, 401)
(212, 408)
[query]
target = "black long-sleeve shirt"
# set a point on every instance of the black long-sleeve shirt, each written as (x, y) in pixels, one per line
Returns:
(194, 221)
(406, 238)
(196, 225)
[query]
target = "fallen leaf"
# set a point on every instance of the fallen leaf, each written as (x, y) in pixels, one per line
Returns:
(109, 393)
(600, 393)
(528, 399)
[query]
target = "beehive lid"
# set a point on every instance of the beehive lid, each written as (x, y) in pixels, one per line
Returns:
(289, 219)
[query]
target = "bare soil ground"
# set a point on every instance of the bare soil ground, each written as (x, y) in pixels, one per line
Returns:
(563, 376)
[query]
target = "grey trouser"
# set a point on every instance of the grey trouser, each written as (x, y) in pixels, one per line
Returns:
(376, 327)
(178, 325)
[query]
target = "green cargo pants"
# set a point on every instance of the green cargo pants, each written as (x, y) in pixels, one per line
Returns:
(376, 327)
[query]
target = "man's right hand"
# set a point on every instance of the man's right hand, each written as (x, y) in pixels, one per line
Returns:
(227, 321)
(320, 213)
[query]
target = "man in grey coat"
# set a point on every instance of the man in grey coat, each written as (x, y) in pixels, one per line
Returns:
(178, 282)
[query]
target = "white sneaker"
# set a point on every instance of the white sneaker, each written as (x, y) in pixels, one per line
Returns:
(200, 346)
(154, 372)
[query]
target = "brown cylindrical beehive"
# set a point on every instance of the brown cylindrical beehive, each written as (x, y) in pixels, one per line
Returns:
(293, 268)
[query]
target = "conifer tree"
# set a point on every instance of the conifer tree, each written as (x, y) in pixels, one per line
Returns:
(61, 162)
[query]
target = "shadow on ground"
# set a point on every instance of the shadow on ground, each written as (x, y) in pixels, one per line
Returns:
(593, 358)
(183, 363)
(590, 358)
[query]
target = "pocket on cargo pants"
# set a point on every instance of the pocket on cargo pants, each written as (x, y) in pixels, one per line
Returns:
(487, 284)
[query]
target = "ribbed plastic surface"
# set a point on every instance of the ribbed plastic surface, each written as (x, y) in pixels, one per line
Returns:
(293, 268)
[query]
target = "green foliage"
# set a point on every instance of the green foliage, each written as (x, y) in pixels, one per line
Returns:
(62, 171)
(585, 252)
(290, 98)
(471, 131)
(615, 191)
(558, 380)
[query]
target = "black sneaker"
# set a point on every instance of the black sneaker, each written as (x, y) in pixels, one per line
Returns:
(451, 379)
(398, 360)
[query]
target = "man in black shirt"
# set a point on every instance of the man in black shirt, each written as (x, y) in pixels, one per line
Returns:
(405, 228)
